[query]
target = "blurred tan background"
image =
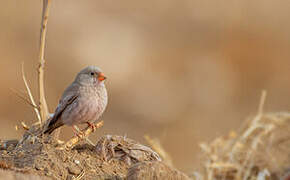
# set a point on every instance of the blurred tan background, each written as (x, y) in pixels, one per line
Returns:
(184, 71)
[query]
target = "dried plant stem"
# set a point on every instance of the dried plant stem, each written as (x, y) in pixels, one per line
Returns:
(24, 126)
(35, 107)
(87, 132)
(42, 101)
(254, 124)
(86, 138)
(262, 102)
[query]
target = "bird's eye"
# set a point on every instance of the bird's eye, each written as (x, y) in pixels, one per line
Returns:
(92, 73)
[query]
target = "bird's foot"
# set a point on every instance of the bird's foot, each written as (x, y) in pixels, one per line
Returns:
(78, 132)
(93, 126)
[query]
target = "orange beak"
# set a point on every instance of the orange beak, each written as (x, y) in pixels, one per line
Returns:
(101, 77)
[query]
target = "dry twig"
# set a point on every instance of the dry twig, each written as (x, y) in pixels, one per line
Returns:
(86, 138)
(30, 94)
(42, 101)
(80, 176)
(24, 126)
(73, 141)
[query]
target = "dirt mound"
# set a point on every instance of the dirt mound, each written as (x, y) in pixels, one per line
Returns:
(154, 170)
(110, 158)
(12, 175)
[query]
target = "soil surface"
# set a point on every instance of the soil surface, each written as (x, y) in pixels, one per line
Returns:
(110, 158)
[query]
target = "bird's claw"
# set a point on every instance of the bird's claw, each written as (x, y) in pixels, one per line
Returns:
(93, 126)
(80, 135)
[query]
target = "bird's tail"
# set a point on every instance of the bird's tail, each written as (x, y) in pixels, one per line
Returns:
(52, 126)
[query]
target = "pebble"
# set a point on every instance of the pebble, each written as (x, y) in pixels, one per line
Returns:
(38, 167)
(77, 161)
(74, 170)
(4, 152)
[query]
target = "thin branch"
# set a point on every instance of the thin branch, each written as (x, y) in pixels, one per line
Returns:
(30, 94)
(81, 175)
(42, 101)
(24, 126)
(87, 132)
(86, 138)
(262, 102)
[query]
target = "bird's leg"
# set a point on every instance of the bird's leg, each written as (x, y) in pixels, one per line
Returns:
(78, 132)
(93, 126)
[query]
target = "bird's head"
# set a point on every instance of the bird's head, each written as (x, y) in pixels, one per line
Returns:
(90, 75)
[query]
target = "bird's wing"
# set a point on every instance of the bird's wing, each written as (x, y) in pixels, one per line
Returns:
(68, 97)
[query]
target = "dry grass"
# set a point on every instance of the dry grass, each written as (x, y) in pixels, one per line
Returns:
(260, 151)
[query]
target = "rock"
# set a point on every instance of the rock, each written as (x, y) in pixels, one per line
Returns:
(124, 149)
(74, 170)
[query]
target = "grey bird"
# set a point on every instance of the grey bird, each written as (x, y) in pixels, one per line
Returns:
(83, 102)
